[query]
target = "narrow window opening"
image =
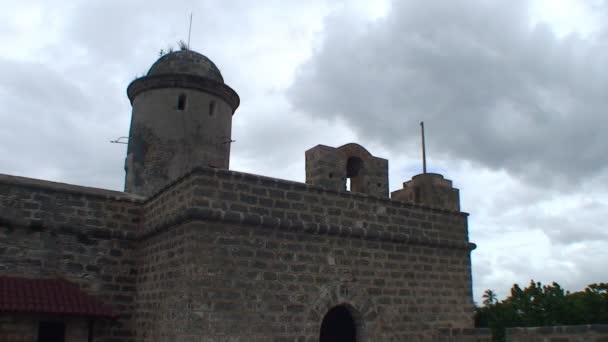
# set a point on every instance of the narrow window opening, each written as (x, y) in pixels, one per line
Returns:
(211, 108)
(331, 175)
(354, 179)
(51, 332)
(181, 102)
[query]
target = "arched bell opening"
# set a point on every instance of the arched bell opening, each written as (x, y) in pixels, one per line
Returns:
(354, 175)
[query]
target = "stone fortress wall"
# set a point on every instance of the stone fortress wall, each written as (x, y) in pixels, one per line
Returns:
(242, 253)
(573, 333)
(199, 251)
(84, 235)
(259, 259)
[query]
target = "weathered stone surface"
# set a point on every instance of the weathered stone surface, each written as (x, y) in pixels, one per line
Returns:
(182, 118)
(330, 167)
(429, 189)
(572, 333)
(464, 335)
(191, 262)
(84, 235)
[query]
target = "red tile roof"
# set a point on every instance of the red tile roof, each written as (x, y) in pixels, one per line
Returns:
(52, 296)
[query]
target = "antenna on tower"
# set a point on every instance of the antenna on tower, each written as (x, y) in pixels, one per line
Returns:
(189, 30)
(120, 140)
(423, 148)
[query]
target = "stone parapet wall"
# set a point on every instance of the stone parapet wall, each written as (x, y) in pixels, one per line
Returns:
(66, 208)
(237, 197)
(572, 333)
(234, 256)
(464, 335)
(429, 189)
(227, 254)
(84, 235)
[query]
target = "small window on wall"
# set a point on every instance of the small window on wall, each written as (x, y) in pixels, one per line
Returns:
(51, 332)
(211, 108)
(181, 102)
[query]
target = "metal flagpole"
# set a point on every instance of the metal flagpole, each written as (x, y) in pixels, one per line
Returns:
(423, 148)
(189, 30)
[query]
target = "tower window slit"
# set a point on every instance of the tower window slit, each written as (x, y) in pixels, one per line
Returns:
(181, 102)
(211, 108)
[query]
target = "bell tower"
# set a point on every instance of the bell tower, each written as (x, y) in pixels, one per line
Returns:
(181, 119)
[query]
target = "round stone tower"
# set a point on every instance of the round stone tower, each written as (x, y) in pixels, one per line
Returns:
(182, 118)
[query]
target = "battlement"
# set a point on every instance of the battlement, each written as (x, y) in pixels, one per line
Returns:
(429, 189)
(222, 195)
(66, 208)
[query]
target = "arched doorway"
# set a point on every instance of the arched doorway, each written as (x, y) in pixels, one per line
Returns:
(338, 326)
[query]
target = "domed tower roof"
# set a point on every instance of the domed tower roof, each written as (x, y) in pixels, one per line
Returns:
(186, 62)
(184, 69)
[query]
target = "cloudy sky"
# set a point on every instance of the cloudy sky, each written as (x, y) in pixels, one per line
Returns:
(512, 93)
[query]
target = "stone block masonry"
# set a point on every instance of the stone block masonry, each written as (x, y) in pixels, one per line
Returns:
(464, 335)
(214, 194)
(573, 333)
(240, 257)
(330, 167)
(84, 235)
(224, 255)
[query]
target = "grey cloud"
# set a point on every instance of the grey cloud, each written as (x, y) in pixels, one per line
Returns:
(48, 131)
(492, 88)
(573, 268)
(37, 81)
(62, 111)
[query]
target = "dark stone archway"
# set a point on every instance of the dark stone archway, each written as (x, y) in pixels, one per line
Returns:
(338, 326)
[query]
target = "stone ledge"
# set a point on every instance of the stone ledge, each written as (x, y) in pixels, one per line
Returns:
(559, 330)
(195, 82)
(234, 217)
(82, 233)
(33, 183)
(464, 332)
(464, 335)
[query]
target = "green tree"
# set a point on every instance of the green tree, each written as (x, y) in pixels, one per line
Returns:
(542, 305)
(489, 297)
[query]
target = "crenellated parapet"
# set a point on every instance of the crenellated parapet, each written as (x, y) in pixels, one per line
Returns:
(429, 189)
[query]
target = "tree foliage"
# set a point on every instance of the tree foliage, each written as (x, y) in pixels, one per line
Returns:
(489, 297)
(542, 305)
